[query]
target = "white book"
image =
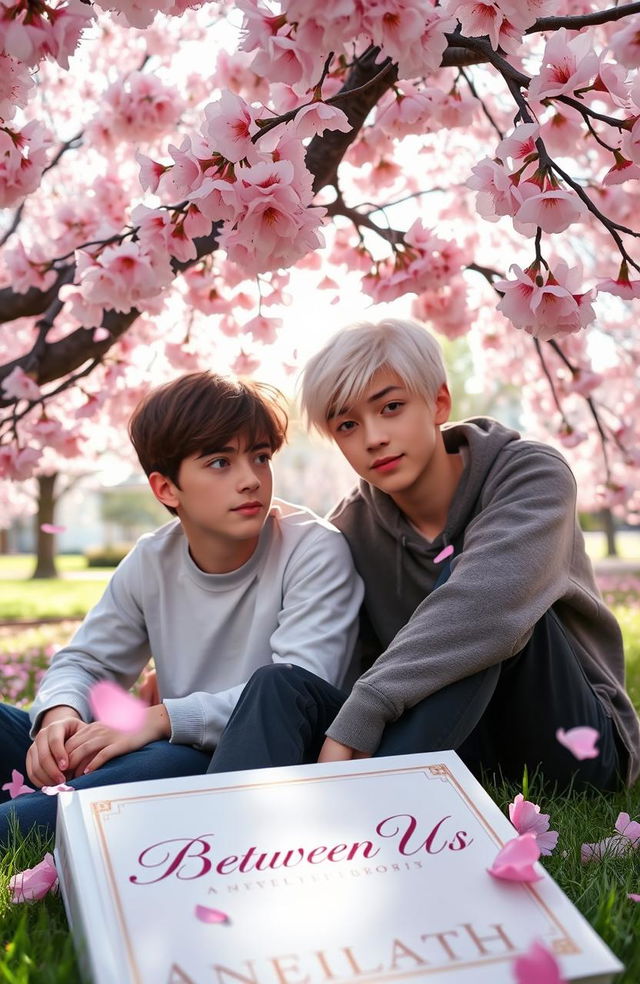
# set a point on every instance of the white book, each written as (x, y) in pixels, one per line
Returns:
(342, 873)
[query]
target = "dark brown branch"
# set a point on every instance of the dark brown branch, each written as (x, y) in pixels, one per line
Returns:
(578, 21)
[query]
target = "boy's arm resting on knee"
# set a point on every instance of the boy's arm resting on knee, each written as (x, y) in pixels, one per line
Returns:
(95, 744)
(111, 643)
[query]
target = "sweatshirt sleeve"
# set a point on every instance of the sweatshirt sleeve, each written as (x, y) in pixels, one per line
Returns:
(514, 565)
(317, 628)
(110, 644)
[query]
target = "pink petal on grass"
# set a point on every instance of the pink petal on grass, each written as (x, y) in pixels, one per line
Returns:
(611, 847)
(443, 554)
(54, 790)
(537, 966)
(207, 915)
(581, 742)
(52, 528)
(527, 819)
(633, 897)
(17, 787)
(34, 883)
(516, 859)
(116, 708)
(628, 828)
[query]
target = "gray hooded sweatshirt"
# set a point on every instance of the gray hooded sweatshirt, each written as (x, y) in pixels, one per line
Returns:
(515, 506)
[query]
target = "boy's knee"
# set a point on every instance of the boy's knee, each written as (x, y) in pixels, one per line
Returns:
(277, 676)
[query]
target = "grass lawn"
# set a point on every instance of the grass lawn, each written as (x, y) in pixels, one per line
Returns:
(35, 945)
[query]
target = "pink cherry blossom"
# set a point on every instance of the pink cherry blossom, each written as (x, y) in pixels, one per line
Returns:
(15, 84)
(514, 862)
(263, 329)
(546, 307)
(34, 883)
(139, 108)
(318, 117)
(553, 210)
(499, 193)
(537, 966)
(622, 286)
(633, 896)
(245, 364)
(519, 144)
(117, 708)
(122, 276)
(581, 742)
(230, 125)
(568, 64)
(16, 786)
(628, 828)
(18, 464)
(615, 846)
(20, 386)
(23, 157)
(477, 19)
(527, 819)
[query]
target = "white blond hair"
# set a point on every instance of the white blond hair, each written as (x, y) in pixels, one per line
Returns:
(341, 371)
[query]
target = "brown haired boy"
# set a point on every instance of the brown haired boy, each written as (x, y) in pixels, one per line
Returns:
(234, 583)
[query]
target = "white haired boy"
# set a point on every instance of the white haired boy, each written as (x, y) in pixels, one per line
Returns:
(489, 630)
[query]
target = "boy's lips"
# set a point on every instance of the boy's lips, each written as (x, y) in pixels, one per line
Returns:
(248, 507)
(385, 464)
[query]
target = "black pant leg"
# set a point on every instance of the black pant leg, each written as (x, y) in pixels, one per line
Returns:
(280, 719)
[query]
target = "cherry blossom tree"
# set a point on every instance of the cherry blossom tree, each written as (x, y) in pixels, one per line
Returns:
(167, 167)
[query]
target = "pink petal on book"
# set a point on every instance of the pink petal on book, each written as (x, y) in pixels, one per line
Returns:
(54, 790)
(207, 915)
(537, 966)
(581, 742)
(443, 554)
(116, 708)
(17, 787)
(633, 896)
(34, 883)
(516, 859)
(52, 528)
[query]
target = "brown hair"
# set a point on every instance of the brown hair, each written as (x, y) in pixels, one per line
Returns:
(202, 412)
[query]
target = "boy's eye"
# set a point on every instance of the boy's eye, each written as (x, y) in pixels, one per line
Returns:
(218, 463)
(393, 405)
(346, 425)
(263, 458)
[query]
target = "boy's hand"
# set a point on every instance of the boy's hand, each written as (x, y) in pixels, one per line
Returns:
(47, 759)
(95, 743)
(334, 751)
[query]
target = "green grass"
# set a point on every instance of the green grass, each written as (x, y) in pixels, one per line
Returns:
(22, 565)
(35, 945)
(49, 598)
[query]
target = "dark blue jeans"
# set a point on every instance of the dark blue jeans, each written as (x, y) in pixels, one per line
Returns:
(158, 760)
(498, 720)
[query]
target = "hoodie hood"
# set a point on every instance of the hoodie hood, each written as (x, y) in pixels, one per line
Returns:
(479, 440)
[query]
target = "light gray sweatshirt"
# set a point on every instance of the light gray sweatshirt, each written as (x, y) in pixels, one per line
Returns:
(296, 600)
(523, 552)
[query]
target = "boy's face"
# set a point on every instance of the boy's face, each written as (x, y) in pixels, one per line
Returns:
(225, 493)
(389, 435)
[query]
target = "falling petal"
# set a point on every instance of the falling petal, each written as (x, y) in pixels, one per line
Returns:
(206, 915)
(116, 708)
(580, 741)
(34, 883)
(633, 896)
(52, 528)
(443, 554)
(516, 859)
(17, 786)
(537, 966)
(54, 790)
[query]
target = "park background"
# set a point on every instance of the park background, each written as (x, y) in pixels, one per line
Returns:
(223, 185)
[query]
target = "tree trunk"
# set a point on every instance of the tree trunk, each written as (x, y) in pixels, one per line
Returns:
(45, 542)
(4, 541)
(609, 527)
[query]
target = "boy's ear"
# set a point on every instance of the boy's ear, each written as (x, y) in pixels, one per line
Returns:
(442, 404)
(164, 489)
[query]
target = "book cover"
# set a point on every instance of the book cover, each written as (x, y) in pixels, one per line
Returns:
(341, 873)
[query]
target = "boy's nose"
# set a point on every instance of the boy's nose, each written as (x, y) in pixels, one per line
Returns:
(375, 435)
(249, 480)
